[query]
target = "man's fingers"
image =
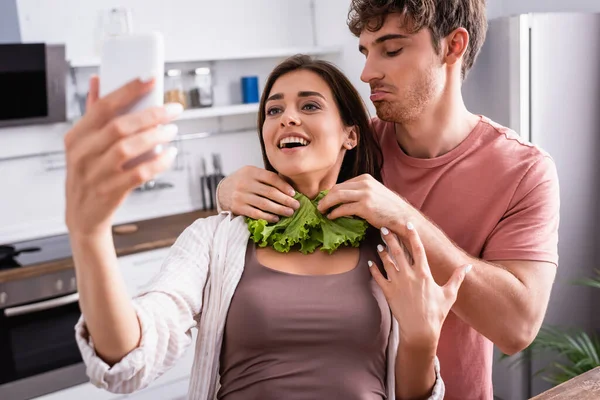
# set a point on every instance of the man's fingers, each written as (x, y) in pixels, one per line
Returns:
(255, 213)
(339, 196)
(454, 283)
(288, 204)
(272, 179)
(264, 205)
(345, 210)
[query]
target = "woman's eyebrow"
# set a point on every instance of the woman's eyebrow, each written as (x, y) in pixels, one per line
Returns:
(279, 96)
(309, 94)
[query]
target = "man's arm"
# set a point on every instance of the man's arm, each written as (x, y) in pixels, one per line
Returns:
(506, 296)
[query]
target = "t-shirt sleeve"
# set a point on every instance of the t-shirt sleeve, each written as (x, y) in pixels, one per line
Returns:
(529, 228)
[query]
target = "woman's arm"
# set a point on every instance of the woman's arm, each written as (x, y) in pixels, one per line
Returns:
(110, 317)
(415, 372)
(164, 313)
(104, 164)
(420, 306)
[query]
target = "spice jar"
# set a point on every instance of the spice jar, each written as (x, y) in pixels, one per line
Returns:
(174, 92)
(201, 93)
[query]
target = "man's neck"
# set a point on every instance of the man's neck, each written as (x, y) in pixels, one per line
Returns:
(439, 130)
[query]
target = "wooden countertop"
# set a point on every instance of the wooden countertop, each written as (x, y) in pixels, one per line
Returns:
(583, 387)
(150, 234)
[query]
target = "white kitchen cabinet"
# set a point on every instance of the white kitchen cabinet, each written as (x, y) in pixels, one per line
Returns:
(171, 390)
(85, 391)
(174, 390)
(137, 270)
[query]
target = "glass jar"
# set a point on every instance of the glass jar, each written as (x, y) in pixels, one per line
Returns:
(174, 92)
(201, 92)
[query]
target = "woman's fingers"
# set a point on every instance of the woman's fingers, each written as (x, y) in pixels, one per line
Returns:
(129, 150)
(454, 283)
(93, 92)
(395, 248)
(378, 276)
(391, 269)
(417, 251)
(108, 107)
(121, 183)
(131, 124)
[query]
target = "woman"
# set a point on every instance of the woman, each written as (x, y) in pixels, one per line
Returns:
(270, 324)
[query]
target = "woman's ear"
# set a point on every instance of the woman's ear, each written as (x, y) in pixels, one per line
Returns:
(352, 137)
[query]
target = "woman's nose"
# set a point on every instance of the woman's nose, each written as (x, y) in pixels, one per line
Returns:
(289, 119)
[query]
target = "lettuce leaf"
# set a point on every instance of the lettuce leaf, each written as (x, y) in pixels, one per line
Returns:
(309, 229)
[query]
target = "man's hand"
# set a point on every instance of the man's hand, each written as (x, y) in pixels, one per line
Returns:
(368, 199)
(257, 193)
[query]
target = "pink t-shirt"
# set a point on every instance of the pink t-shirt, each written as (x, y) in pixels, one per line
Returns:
(496, 196)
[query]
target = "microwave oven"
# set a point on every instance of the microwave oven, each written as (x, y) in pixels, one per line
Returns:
(32, 84)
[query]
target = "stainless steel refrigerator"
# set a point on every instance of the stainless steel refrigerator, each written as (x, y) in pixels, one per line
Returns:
(539, 74)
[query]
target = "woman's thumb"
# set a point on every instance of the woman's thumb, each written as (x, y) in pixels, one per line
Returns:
(456, 281)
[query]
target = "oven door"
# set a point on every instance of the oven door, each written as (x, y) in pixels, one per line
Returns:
(38, 351)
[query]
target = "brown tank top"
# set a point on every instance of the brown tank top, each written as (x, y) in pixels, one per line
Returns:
(295, 337)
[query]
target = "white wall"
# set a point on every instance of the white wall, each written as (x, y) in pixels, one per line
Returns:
(32, 200)
(501, 8)
(191, 28)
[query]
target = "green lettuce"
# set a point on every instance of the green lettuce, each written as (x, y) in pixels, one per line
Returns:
(309, 229)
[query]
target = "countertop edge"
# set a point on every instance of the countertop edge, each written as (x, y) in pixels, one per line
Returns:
(171, 226)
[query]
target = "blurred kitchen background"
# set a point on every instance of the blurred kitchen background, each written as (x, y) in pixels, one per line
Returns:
(539, 73)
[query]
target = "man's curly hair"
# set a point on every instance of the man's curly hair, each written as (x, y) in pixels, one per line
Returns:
(441, 17)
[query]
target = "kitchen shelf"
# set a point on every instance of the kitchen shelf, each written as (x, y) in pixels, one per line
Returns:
(254, 54)
(219, 111)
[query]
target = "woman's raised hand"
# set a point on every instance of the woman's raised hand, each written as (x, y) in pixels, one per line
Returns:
(417, 302)
(99, 150)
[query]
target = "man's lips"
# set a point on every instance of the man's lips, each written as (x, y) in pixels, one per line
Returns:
(377, 95)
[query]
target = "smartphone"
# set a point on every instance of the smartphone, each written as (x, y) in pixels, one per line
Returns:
(127, 57)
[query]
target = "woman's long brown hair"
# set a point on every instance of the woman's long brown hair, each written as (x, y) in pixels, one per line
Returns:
(366, 156)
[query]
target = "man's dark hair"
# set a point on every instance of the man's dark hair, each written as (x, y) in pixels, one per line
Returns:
(441, 17)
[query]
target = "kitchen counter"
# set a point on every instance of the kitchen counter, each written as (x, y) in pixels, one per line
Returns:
(150, 234)
(583, 387)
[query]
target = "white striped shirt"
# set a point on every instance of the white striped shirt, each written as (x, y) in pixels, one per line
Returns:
(193, 290)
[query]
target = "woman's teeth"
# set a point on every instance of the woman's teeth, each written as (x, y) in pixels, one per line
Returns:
(290, 142)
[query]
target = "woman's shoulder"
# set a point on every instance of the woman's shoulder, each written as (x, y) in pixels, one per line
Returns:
(208, 227)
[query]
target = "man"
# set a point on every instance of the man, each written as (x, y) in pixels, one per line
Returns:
(475, 191)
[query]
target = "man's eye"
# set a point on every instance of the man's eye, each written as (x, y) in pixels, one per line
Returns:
(393, 53)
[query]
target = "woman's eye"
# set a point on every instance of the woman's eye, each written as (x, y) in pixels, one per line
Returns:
(273, 110)
(393, 53)
(311, 107)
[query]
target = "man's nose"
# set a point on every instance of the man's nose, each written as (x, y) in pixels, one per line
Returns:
(370, 71)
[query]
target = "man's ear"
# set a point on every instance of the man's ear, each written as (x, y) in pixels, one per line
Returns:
(456, 44)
